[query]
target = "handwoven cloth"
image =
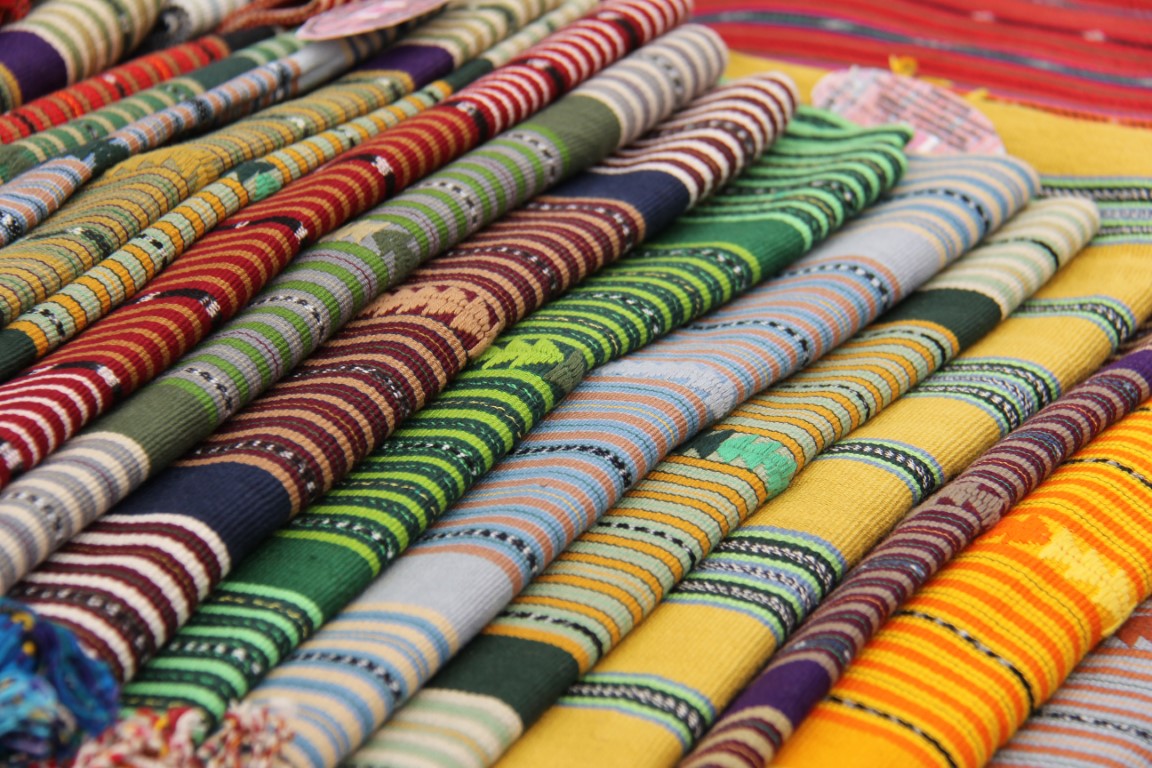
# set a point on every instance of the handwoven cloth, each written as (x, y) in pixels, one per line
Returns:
(181, 20)
(995, 632)
(20, 155)
(258, 13)
(801, 674)
(65, 41)
(446, 447)
(544, 247)
(110, 86)
(1098, 60)
(330, 283)
(652, 697)
(615, 574)
(1100, 715)
(141, 340)
(34, 195)
(126, 271)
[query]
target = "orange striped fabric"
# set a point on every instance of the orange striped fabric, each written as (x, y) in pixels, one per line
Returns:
(992, 636)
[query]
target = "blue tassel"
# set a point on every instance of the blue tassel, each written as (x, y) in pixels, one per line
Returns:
(52, 695)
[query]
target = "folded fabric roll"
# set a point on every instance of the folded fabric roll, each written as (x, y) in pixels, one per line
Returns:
(993, 634)
(327, 285)
(446, 447)
(34, 195)
(64, 41)
(801, 674)
(258, 13)
(126, 271)
(655, 694)
(1100, 715)
(614, 575)
(181, 20)
(139, 341)
(22, 154)
(545, 248)
(110, 86)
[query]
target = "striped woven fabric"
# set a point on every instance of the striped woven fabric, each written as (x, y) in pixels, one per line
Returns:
(652, 698)
(616, 574)
(801, 674)
(995, 632)
(670, 281)
(331, 282)
(1070, 56)
(258, 13)
(422, 443)
(64, 41)
(182, 20)
(115, 279)
(34, 195)
(20, 155)
(114, 84)
(1099, 717)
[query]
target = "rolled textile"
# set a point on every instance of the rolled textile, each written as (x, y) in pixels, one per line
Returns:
(36, 194)
(551, 235)
(651, 699)
(64, 41)
(118, 277)
(28, 152)
(1099, 716)
(257, 13)
(111, 86)
(995, 632)
(606, 583)
(181, 20)
(341, 274)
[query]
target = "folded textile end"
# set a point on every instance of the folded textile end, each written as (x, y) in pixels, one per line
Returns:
(52, 695)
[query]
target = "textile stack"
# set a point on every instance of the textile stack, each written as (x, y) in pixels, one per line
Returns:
(467, 383)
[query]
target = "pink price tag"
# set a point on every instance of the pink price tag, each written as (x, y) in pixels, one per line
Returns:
(945, 124)
(363, 16)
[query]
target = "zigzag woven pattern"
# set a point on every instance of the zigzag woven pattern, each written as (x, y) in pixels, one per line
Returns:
(331, 282)
(64, 41)
(650, 700)
(543, 248)
(995, 632)
(101, 289)
(614, 575)
(1099, 716)
(110, 86)
(140, 340)
(19, 156)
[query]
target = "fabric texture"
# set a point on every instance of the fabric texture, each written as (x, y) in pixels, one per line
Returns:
(110, 86)
(803, 671)
(614, 576)
(181, 20)
(753, 590)
(1073, 56)
(34, 195)
(461, 34)
(330, 283)
(285, 13)
(222, 273)
(64, 41)
(28, 152)
(626, 199)
(1099, 717)
(1063, 570)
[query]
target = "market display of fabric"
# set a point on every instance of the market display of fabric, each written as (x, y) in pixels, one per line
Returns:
(117, 278)
(182, 20)
(110, 86)
(651, 699)
(64, 41)
(139, 341)
(209, 658)
(806, 667)
(668, 282)
(1099, 716)
(329, 283)
(997, 630)
(612, 577)
(1073, 56)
